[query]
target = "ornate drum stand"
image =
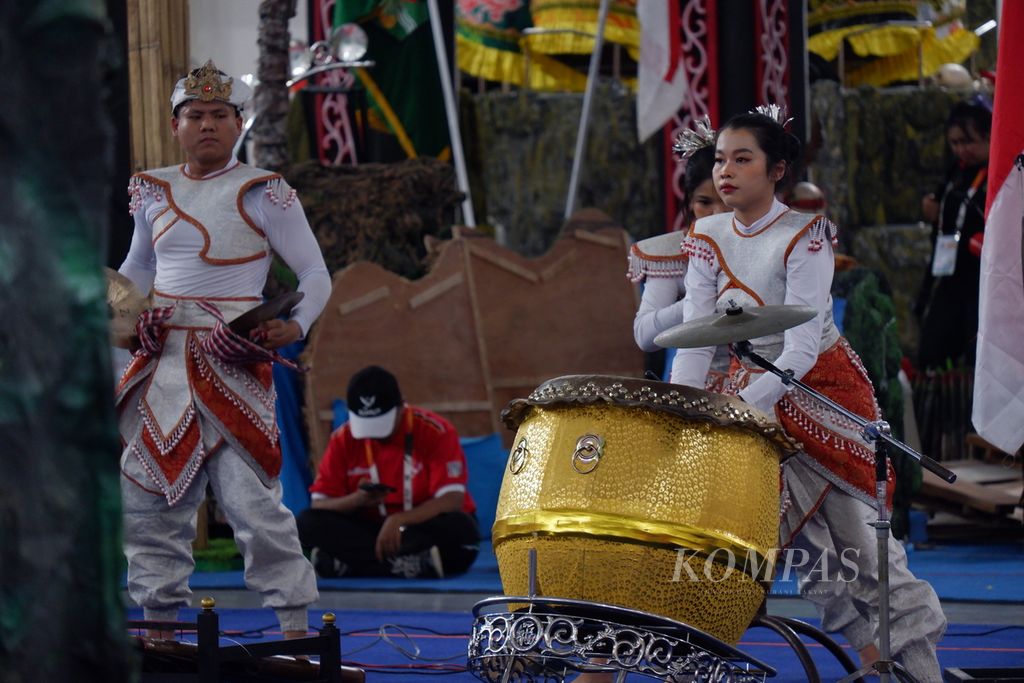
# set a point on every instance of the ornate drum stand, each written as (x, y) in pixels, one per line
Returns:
(544, 639)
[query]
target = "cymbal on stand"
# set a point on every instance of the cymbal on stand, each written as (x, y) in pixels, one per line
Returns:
(735, 324)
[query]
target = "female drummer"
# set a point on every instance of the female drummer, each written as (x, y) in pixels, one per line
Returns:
(660, 263)
(764, 253)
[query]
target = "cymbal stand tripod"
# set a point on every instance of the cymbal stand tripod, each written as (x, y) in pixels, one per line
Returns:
(877, 432)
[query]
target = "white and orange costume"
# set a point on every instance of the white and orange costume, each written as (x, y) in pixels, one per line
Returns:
(786, 257)
(187, 417)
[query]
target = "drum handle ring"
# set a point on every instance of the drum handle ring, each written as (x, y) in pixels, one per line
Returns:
(587, 456)
(517, 460)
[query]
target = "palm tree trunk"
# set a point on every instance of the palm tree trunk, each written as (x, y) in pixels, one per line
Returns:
(271, 100)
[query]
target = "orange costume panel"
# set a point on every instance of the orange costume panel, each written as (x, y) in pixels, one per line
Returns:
(832, 440)
(828, 437)
(178, 405)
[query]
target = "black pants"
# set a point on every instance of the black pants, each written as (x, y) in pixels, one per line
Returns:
(352, 539)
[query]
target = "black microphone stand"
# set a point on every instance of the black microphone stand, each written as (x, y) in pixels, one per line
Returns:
(878, 433)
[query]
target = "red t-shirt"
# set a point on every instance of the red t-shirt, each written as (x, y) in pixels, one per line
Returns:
(437, 466)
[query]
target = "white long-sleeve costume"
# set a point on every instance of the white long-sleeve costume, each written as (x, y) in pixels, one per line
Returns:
(272, 207)
(188, 415)
(660, 264)
(807, 279)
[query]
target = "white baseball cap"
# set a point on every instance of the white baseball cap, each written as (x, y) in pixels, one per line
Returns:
(374, 400)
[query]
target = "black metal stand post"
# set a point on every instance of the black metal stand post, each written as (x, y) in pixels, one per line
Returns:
(242, 662)
(885, 666)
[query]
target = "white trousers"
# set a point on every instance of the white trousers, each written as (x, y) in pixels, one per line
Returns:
(839, 572)
(158, 539)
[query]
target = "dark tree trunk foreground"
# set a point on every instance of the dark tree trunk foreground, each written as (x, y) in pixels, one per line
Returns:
(61, 617)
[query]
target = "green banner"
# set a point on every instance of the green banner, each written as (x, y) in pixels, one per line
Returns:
(403, 87)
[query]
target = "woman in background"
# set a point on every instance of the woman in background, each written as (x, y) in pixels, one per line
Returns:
(947, 306)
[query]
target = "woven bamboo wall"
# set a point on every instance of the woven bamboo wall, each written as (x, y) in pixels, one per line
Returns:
(157, 58)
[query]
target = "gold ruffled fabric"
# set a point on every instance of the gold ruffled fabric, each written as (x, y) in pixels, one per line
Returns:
(898, 48)
(882, 42)
(494, 64)
(501, 54)
(622, 26)
(573, 25)
(955, 47)
(822, 11)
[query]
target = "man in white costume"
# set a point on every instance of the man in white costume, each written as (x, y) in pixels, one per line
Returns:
(197, 403)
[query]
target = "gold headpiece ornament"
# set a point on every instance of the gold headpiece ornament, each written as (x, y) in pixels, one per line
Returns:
(206, 85)
(774, 112)
(690, 140)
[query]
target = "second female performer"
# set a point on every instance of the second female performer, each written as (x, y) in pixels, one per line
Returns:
(660, 263)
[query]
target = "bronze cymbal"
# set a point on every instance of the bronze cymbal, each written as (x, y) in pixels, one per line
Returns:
(124, 304)
(735, 324)
(279, 305)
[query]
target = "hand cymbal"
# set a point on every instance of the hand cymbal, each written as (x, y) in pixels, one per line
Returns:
(124, 304)
(279, 305)
(736, 324)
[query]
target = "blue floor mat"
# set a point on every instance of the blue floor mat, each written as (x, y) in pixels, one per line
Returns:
(482, 577)
(392, 645)
(982, 573)
(967, 573)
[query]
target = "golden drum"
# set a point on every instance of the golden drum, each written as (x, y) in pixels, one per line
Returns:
(645, 495)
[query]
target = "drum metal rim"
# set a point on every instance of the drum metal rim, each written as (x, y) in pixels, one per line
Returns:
(639, 531)
(685, 402)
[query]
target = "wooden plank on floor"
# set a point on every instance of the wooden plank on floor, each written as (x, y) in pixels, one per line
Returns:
(981, 472)
(968, 494)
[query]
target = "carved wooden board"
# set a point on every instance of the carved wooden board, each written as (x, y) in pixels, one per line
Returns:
(421, 331)
(484, 326)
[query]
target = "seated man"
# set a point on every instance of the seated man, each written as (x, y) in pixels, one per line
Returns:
(390, 494)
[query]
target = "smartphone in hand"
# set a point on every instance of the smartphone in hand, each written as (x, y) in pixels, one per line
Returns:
(371, 487)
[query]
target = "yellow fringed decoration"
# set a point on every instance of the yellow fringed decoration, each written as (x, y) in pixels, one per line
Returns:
(884, 41)
(837, 10)
(510, 67)
(622, 26)
(956, 47)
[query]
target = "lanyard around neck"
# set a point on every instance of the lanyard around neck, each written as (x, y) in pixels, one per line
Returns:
(961, 214)
(407, 465)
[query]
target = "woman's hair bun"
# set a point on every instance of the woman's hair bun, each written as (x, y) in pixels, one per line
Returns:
(792, 148)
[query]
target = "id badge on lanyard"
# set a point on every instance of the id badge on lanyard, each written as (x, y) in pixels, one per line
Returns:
(944, 258)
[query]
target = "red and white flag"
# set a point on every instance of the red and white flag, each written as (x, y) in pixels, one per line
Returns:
(661, 74)
(999, 371)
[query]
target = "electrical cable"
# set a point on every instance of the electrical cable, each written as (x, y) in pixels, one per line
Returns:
(983, 633)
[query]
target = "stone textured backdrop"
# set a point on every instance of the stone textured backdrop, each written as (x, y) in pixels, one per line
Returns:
(874, 153)
(522, 150)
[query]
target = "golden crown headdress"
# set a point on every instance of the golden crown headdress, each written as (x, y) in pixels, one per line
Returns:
(206, 84)
(690, 140)
(775, 112)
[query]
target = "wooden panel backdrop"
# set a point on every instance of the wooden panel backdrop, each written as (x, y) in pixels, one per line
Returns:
(423, 331)
(485, 325)
(157, 58)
